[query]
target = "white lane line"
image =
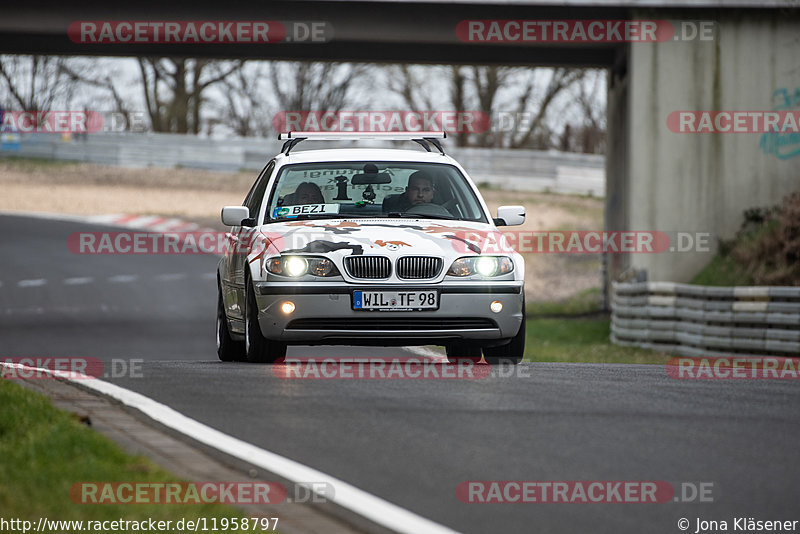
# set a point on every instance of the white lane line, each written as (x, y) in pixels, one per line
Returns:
(427, 353)
(169, 277)
(39, 310)
(205, 276)
(365, 504)
(78, 280)
(123, 278)
(32, 283)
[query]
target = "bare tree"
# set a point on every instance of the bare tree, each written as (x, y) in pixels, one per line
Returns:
(418, 85)
(243, 107)
(90, 74)
(517, 92)
(586, 131)
(252, 96)
(593, 131)
(537, 104)
(174, 90)
(312, 86)
(411, 86)
(487, 82)
(458, 98)
(34, 83)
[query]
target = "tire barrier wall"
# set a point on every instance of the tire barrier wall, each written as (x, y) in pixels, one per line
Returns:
(705, 321)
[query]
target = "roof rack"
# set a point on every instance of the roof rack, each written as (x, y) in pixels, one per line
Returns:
(424, 139)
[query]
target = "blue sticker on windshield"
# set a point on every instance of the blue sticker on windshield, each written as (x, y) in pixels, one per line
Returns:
(282, 212)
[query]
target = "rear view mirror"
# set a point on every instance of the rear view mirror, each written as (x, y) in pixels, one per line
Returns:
(235, 215)
(371, 178)
(510, 216)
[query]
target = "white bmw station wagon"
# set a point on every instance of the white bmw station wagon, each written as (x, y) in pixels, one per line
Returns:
(366, 246)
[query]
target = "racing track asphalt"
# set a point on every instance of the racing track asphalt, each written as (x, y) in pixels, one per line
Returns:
(412, 442)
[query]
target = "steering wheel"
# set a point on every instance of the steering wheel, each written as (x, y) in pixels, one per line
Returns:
(429, 209)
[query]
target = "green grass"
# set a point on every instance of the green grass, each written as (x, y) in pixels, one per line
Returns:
(486, 186)
(34, 164)
(44, 451)
(739, 261)
(580, 341)
(556, 332)
(584, 302)
(723, 271)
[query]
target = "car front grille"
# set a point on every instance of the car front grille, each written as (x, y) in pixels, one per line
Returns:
(418, 267)
(368, 267)
(392, 323)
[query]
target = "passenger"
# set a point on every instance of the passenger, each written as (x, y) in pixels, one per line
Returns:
(306, 193)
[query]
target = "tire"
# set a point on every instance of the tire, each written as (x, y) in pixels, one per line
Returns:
(463, 350)
(258, 348)
(228, 349)
(512, 352)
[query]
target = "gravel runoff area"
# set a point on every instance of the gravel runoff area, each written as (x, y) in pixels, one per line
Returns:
(197, 195)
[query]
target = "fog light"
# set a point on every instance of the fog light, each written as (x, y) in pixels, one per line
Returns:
(496, 306)
(287, 307)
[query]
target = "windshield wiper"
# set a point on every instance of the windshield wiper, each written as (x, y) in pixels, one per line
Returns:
(418, 216)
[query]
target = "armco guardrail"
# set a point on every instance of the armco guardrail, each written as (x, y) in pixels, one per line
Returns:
(692, 320)
(527, 170)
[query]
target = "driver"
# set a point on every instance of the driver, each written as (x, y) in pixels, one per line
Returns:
(419, 190)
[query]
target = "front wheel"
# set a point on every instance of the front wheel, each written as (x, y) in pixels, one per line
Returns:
(512, 352)
(228, 349)
(258, 348)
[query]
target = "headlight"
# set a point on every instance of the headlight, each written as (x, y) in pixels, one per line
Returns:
(487, 266)
(297, 266)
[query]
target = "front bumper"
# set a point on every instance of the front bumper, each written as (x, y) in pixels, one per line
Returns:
(324, 314)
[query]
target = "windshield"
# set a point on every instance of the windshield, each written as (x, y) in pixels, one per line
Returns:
(377, 189)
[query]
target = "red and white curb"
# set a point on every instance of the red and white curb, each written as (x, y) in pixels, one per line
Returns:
(151, 223)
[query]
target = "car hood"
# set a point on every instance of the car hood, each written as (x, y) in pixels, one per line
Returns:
(383, 237)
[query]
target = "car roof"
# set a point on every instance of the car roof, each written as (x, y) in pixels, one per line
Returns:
(363, 154)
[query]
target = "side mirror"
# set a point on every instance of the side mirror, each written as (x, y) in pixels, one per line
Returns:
(510, 216)
(235, 216)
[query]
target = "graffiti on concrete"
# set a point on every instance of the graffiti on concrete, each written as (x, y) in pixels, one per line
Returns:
(782, 145)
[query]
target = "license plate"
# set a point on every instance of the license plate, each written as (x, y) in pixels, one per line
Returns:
(396, 300)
